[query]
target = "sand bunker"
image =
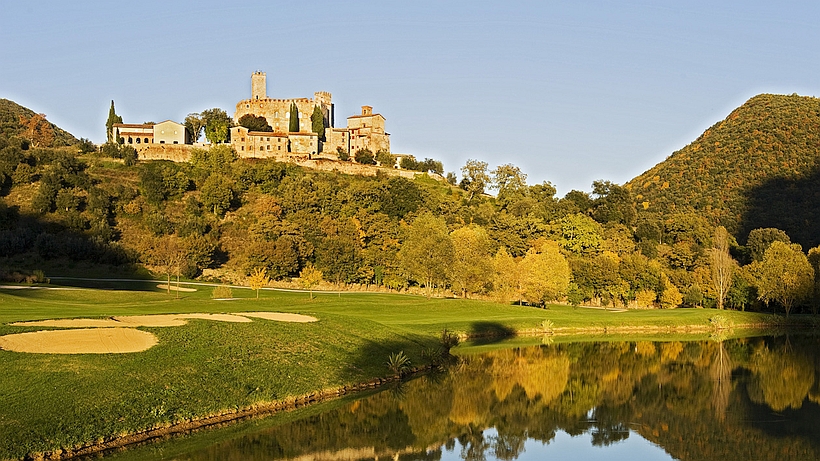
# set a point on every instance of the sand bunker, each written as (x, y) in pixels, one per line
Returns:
(175, 288)
(83, 341)
(117, 335)
(281, 317)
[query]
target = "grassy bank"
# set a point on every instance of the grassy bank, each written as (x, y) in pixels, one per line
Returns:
(206, 367)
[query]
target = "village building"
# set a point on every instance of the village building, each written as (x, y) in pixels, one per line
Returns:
(167, 132)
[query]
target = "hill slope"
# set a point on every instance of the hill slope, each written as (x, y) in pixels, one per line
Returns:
(757, 168)
(10, 113)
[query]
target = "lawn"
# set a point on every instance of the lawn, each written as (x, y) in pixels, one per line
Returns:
(48, 401)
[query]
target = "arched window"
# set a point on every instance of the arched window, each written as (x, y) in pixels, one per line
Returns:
(130, 141)
(146, 140)
(138, 140)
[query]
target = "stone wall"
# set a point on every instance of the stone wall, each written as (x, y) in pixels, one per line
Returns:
(174, 152)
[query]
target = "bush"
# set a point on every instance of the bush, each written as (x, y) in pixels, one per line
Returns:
(343, 155)
(365, 157)
(222, 292)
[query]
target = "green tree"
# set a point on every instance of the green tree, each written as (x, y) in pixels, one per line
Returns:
(364, 156)
(293, 122)
(471, 255)
(508, 277)
(784, 275)
(426, 254)
(255, 123)
(317, 121)
(509, 181)
(193, 127)
(759, 241)
(580, 234)
(385, 159)
(475, 177)
(217, 125)
(217, 193)
(109, 123)
(342, 154)
(814, 260)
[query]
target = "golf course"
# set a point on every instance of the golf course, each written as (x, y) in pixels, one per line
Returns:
(129, 358)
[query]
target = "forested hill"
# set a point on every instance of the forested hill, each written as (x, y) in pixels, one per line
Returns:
(757, 168)
(11, 126)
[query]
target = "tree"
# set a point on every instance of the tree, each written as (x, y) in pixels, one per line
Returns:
(426, 254)
(217, 193)
(471, 254)
(317, 121)
(385, 158)
(580, 234)
(509, 181)
(546, 273)
(258, 279)
(784, 275)
(759, 241)
(109, 123)
(475, 177)
(217, 125)
(364, 156)
(814, 260)
(342, 154)
(129, 155)
(670, 296)
(193, 126)
(255, 123)
(37, 130)
(293, 122)
(309, 277)
(508, 278)
(168, 254)
(722, 265)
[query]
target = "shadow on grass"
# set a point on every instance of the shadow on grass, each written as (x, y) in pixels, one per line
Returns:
(489, 332)
(371, 358)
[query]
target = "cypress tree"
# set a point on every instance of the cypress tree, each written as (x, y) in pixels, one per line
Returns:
(318, 122)
(293, 126)
(109, 124)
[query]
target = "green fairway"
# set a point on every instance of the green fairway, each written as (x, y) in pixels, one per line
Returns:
(48, 401)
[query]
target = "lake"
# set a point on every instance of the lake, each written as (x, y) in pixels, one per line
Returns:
(745, 399)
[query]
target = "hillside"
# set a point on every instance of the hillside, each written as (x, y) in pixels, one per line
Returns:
(757, 168)
(10, 113)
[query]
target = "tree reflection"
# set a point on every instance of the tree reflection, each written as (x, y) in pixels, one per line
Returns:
(671, 393)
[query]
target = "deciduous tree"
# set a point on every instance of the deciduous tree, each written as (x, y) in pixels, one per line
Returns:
(193, 126)
(258, 279)
(475, 177)
(427, 252)
(471, 251)
(217, 125)
(254, 123)
(784, 275)
(722, 265)
(309, 277)
(546, 273)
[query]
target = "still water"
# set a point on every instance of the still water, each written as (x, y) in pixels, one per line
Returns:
(745, 399)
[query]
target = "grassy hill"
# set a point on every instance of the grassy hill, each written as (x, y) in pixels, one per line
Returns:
(757, 168)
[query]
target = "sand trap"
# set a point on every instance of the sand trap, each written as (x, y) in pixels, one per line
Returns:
(281, 317)
(84, 341)
(72, 323)
(116, 335)
(176, 288)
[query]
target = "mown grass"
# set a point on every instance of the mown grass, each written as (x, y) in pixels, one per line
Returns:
(207, 367)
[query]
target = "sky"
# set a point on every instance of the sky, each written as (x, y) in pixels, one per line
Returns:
(569, 91)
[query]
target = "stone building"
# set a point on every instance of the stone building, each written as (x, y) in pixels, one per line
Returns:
(167, 132)
(363, 131)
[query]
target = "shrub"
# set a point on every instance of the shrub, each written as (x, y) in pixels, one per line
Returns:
(222, 292)
(398, 363)
(365, 157)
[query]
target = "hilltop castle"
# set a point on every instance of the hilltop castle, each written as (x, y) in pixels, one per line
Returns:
(364, 131)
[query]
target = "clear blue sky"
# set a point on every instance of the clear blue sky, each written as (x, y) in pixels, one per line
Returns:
(569, 91)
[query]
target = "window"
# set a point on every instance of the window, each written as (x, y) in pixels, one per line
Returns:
(175, 142)
(242, 148)
(138, 140)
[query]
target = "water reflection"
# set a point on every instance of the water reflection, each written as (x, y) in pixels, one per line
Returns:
(741, 399)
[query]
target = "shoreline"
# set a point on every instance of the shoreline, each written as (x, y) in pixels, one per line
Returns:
(294, 402)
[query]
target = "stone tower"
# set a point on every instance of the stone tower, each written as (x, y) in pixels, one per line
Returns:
(259, 86)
